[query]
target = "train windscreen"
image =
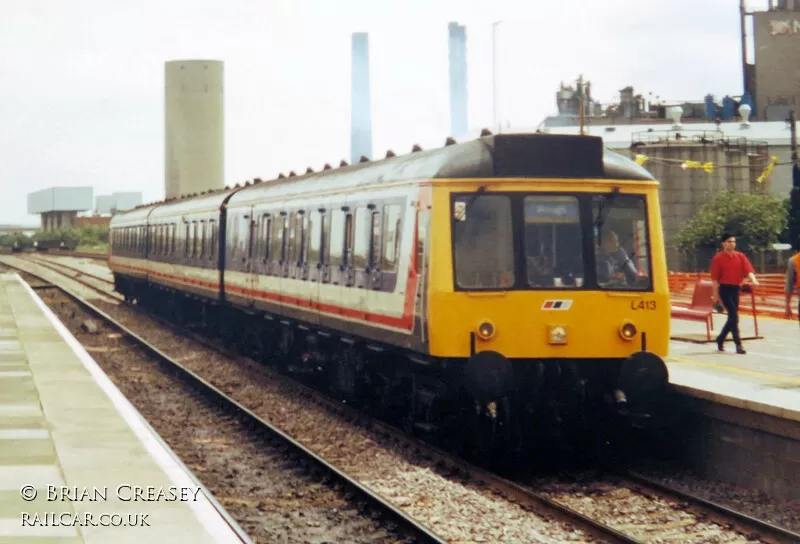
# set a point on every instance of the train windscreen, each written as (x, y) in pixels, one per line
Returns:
(550, 241)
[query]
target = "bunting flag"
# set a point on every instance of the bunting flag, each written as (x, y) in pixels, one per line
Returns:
(768, 169)
(709, 167)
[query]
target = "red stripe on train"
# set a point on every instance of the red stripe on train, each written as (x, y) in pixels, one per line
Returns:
(406, 321)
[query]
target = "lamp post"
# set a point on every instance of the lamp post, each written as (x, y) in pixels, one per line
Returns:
(494, 76)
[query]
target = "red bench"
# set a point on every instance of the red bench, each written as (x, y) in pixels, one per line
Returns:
(701, 308)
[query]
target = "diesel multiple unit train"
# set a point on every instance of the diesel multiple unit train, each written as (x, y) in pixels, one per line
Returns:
(495, 291)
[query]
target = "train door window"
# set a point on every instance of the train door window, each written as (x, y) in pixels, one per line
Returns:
(391, 237)
(361, 239)
(349, 240)
(315, 238)
(374, 260)
(422, 239)
(212, 239)
(300, 238)
(266, 234)
(339, 231)
(277, 239)
(290, 253)
(552, 238)
(324, 243)
(201, 250)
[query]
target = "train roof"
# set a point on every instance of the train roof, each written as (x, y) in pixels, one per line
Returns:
(490, 156)
(502, 155)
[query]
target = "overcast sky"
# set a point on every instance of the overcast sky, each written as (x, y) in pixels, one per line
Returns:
(81, 82)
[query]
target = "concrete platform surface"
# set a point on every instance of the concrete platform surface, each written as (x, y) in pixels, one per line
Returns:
(766, 379)
(77, 461)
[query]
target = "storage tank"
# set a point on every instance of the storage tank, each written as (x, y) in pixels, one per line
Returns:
(193, 126)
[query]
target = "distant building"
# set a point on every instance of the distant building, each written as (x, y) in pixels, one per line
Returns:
(59, 206)
(194, 135)
(457, 56)
(117, 202)
(775, 78)
(360, 101)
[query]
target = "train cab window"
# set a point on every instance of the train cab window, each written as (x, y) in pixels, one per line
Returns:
(621, 242)
(483, 241)
(391, 237)
(374, 260)
(315, 238)
(339, 231)
(361, 245)
(553, 242)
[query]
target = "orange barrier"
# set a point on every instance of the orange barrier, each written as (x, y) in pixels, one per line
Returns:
(769, 294)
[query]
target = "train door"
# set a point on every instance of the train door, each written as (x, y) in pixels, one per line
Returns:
(248, 230)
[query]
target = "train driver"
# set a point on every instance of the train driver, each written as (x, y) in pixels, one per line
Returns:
(612, 260)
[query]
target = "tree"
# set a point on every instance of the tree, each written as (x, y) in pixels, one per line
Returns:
(756, 220)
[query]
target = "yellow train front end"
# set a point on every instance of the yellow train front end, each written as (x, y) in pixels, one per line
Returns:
(553, 293)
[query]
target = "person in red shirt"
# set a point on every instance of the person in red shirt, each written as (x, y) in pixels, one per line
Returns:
(728, 269)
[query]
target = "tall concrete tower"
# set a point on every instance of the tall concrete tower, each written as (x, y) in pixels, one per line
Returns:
(361, 105)
(193, 127)
(458, 79)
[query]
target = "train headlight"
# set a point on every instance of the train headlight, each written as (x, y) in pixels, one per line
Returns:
(485, 330)
(557, 334)
(628, 331)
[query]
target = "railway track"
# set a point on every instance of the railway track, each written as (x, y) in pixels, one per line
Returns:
(211, 416)
(661, 512)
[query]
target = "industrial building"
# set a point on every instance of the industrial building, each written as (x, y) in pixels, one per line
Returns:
(194, 127)
(457, 56)
(59, 206)
(117, 202)
(774, 77)
(361, 104)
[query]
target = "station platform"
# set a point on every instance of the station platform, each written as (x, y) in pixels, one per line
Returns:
(766, 379)
(78, 464)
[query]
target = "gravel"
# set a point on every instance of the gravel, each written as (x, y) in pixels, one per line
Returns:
(259, 485)
(281, 408)
(456, 510)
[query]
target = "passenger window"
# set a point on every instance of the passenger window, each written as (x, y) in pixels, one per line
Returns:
(299, 234)
(291, 249)
(276, 252)
(315, 238)
(375, 241)
(338, 233)
(391, 237)
(251, 236)
(361, 246)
